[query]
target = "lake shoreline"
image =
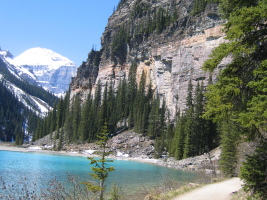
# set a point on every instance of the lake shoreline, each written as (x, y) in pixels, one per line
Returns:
(205, 162)
(4, 147)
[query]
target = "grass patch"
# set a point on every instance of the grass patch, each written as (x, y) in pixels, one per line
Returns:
(242, 195)
(156, 195)
(171, 189)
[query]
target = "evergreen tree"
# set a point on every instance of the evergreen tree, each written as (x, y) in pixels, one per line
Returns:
(239, 96)
(68, 126)
(189, 123)
(188, 150)
(100, 171)
(14, 115)
(84, 126)
(121, 103)
(61, 139)
(179, 138)
(131, 93)
(254, 171)
(114, 115)
(76, 117)
(59, 117)
(154, 119)
(141, 110)
(103, 115)
(239, 92)
(229, 141)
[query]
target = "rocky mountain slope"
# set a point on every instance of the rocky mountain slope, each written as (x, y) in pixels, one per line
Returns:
(166, 38)
(44, 67)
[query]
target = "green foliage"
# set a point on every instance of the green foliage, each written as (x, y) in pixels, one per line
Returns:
(121, 4)
(119, 44)
(140, 8)
(154, 119)
(146, 20)
(193, 135)
(239, 94)
(100, 170)
(141, 107)
(254, 172)
(177, 149)
(115, 193)
(200, 5)
(13, 117)
(229, 142)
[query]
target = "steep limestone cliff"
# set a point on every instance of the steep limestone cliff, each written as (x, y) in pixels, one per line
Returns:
(168, 42)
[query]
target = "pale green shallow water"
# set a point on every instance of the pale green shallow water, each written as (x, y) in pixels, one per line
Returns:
(41, 168)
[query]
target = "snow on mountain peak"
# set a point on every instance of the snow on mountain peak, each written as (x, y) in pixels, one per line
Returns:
(44, 67)
(42, 56)
(6, 54)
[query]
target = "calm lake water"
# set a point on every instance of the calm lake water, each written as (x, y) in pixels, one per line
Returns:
(41, 168)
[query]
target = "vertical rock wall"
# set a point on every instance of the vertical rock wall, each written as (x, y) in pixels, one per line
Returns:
(169, 59)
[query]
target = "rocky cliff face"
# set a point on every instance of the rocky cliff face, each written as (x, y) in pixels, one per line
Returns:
(170, 52)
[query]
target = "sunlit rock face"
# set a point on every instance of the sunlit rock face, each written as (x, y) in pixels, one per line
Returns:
(169, 59)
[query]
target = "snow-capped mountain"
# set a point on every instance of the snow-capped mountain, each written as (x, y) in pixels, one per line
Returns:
(13, 82)
(18, 71)
(45, 67)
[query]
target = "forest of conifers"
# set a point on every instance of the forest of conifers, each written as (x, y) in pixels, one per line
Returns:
(132, 106)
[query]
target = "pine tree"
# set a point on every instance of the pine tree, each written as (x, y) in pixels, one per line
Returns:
(229, 141)
(139, 108)
(254, 171)
(113, 115)
(84, 123)
(76, 117)
(131, 94)
(179, 138)
(154, 119)
(121, 104)
(68, 126)
(100, 171)
(59, 119)
(61, 139)
(188, 150)
(103, 115)
(189, 123)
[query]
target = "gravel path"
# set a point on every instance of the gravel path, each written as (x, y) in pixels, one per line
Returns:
(215, 191)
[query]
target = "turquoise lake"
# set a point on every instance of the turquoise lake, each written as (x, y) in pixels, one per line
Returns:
(41, 168)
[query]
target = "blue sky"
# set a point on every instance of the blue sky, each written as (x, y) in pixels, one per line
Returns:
(68, 27)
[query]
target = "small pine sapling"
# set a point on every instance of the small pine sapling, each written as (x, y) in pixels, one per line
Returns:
(100, 171)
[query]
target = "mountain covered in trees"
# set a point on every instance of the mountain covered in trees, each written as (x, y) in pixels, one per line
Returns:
(169, 41)
(21, 103)
(146, 77)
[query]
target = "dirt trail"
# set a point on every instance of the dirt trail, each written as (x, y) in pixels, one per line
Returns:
(215, 191)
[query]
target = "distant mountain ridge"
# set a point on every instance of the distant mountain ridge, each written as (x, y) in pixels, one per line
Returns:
(44, 67)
